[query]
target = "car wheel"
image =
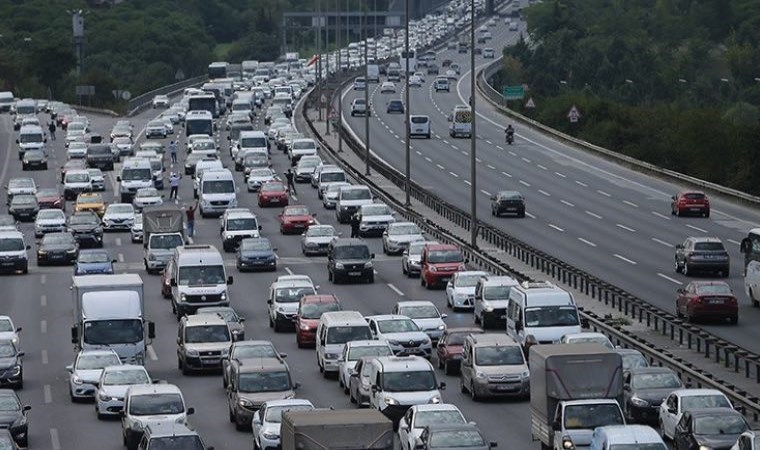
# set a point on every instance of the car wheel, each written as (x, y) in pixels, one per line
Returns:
(271, 322)
(351, 397)
(679, 314)
(371, 278)
(734, 320)
(677, 267)
(462, 389)
(476, 319)
(98, 414)
(276, 326)
(403, 270)
(685, 268)
(447, 368)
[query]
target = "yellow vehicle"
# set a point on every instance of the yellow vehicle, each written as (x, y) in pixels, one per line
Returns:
(90, 201)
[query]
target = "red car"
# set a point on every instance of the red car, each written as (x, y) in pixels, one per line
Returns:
(449, 349)
(690, 202)
(438, 263)
(273, 193)
(50, 198)
(310, 310)
(295, 219)
(707, 300)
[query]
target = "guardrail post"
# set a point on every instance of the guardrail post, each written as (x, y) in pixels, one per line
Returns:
(727, 351)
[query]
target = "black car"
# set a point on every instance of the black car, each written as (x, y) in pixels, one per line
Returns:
(508, 202)
(709, 428)
(100, 156)
(86, 228)
(57, 248)
(34, 159)
(453, 436)
(432, 69)
(645, 388)
(11, 367)
(13, 416)
(349, 258)
(24, 207)
(395, 106)
(705, 254)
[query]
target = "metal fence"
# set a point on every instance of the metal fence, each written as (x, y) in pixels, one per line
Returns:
(140, 102)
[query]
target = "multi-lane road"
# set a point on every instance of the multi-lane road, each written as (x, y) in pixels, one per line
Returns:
(596, 215)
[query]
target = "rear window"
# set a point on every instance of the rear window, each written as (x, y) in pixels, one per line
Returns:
(695, 196)
(714, 289)
(420, 120)
(709, 246)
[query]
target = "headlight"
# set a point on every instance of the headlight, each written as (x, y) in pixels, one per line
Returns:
(280, 309)
(76, 380)
(479, 374)
(525, 374)
(15, 341)
(223, 297)
(338, 265)
(137, 425)
(435, 400)
(704, 447)
(41, 252)
(270, 436)
(332, 356)
(191, 352)
(16, 371)
(305, 326)
(441, 327)
(244, 402)
(391, 401)
(151, 257)
(639, 402)
(433, 269)
(182, 297)
(106, 398)
(567, 443)
(368, 265)
(488, 308)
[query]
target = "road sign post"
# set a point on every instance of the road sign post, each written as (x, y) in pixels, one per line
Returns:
(513, 92)
(574, 115)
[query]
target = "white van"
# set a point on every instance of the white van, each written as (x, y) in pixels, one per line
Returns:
(136, 173)
(200, 166)
(30, 137)
(399, 382)
(419, 126)
(217, 192)
(334, 330)
(492, 299)
(251, 140)
(541, 313)
(198, 278)
(6, 101)
(461, 121)
(752, 282)
(146, 404)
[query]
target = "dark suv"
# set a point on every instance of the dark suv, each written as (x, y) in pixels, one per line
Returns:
(350, 258)
(702, 254)
(509, 202)
(100, 156)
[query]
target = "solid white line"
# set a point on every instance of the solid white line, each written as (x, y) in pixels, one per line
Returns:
(603, 193)
(530, 215)
(696, 228)
(152, 353)
(506, 174)
(524, 183)
(630, 203)
(560, 174)
(629, 261)
(734, 242)
(672, 280)
(467, 183)
(454, 175)
(581, 183)
(118, 242)
(595, 215)
(619, 225)
(485, 192)
(541, 167)
(43, 326)
(556, 227)
(491, 167)
(526, 160)
(544, 193)
(395, 289)
(48, 393)
(440, 167)
(43, 300)
(587, 242)
(55, 440)
(44, 357)
(661, 242)
(661, 216)
(567, 203)
(290, 272)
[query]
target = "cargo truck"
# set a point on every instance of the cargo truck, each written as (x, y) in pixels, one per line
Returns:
(163, 230)
(336, 429)
(573, 389)
(109, 312)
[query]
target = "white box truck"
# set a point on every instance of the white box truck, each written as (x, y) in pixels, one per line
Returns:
(354, 429)
(163, 230)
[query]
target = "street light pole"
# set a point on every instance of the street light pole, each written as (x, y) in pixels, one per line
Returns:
(473, 135)
(407, 144)
(366, 89)
(339, 69)
(319, 59)
(328, 106)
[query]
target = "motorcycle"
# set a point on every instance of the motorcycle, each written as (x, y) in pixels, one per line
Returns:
(510, 138)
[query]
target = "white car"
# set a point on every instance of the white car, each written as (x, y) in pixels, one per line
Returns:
(355, 350)
(425, 314)
(97, 179)
(147, 196)
(681, 400)
(119, 216)
(266, 421)
(749, 440)
(284, 296)
(415, 81)
(85, 372)
(76, 150)
(387, 87)
(488, 53)
(124, 144)
(410, 259)
(9, 332)
(398, 236)
(136, 230)
(316, 238)
(49, 221)
(161, 101)
(156, 128)
(587, 338)
(374, 219)
(402, 334)
(451, 74)
(259, 176)
(420, 416)
(113, 385)
(460, 290)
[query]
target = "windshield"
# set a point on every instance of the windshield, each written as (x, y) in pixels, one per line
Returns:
(295, 211)
(6, 325)
(341, 335)
(199, 126)
(632, 361)
(304, 146)
(199, 334)
(99, 361)
(156, 404)
(7, 350)
(320, 231)
(448, 256)
(125, 377)
(218, 187)
(591, 340)
(166, 241)
(420, 312)
(355, 194)
(468, 280)
(409, 381)
(551, 316)
(109, 332)
(655, 381)
(261, 245)
(719, 424)
(201, 275)
(456, 438)
(496, 292)
(356, 353)
(35, 138)
(11, 245)
(404, 229)
(308, 163)
(292, 294)
(57, 239)
(714, 289)
(204, 145)
(192, 442)
(136, 174)
(499, 356)
(709, 246)
(242, 224)
(84, 219)
(425, 418)
(264, 382)
(351, 252)
(254, 351)
(94, 257)
(332, 177)
(397, 326)
(253, 142)
(704, 401)
(376, 210)
(9, 403)
(274, 413)
(315, 310)
(77, 177)
(654, 446)
(89, 198)
(588, 417)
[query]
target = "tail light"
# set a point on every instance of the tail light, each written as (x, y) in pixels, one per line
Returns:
(732, 300)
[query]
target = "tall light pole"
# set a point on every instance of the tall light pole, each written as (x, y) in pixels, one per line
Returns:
(473, 135)
(366, 88)
(327, 72)
(339, 69)
(319, 59)
(407, 144)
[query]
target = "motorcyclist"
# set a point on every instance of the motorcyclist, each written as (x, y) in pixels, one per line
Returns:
(510, 133)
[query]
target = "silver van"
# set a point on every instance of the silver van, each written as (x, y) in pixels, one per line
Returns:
(493, 365)
(335, 329)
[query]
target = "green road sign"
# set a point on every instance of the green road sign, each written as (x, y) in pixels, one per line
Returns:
(513, 92)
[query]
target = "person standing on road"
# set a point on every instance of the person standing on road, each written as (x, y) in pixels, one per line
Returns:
(291, 185)
(190, 214)
(173, 151)
(51, 128)
(174, 184)
(355, 225)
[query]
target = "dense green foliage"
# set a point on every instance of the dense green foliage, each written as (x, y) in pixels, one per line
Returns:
(672, 82)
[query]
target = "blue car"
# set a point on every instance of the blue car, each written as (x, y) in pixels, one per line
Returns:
(92, 262)
(395, 106)
(256, 254)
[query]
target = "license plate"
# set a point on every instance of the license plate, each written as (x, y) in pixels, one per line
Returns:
(7, 264)
(511, 209)
(274, 200)
(694, 209)
(213, 361)
(716, 301)
(503, 316)
(507, 387)
(354, 274)
(299, 225)
(445, 279)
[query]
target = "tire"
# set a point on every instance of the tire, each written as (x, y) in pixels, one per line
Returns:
(685, 269)
(677, 267)
(351, 397)
(277, 327)
(462, 389)
(733, 320)
(477, 319)
(447, 369)
(271, 322)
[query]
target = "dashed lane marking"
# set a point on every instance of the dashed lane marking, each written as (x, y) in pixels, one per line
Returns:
(672, 280)
(630, 204)
(541, 167)
(55, 440)
(543, 192)
(290, 272)
(48, 393)
(43, 326)
(485, 192)
(661, 216)
(581, 183)
(43, 300)
(530, 215)
(565, 202)
(526, 160)
(395, 289)
(467, 182)
(560, 174)
(594, 215)
(506, 174)
(524, 183)
(701, 230)
(454, 175)
(661, 242)
(587, 242)
(551, 225)
(44, 356)
(623, 258)
(735, 242)
(491, 167)
(440, 167)
(603, 193)
(620, 225)
(152, 353)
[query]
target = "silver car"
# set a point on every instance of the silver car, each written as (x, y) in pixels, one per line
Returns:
(257, 177)
(316, 238)
(113, 385)
(410, 259)
(147, 197)
(425, 314)
(398, 236)
(402, 334)
(85, 372)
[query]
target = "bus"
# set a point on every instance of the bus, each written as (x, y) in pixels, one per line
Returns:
(199, 122)
(412, 61)
(205, 102)
(217, 70)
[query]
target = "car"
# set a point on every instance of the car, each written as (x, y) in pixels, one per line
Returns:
(191, 160)
(387, 87)
(234, 321)
(112, 387)
(706, 254)
(425, 314)
(86, 228)
(156, 128)
(256, 254)
(374, 219)
(709, 428)
(273, 193)
(316, 239)
(450, 347)
(707, 300)
(644, 389)
(244, 350)
(295, 219)
(360, 84)
(331, 193)
(50, 198)
(349, 259)
(749, 440)
(488, 53)
(402, 334)
(8, 223)
(310, 309)
(136, 230)
(11, 365)
(9, 332)
(508, 202)
(76, 151)
(690, 202)
(91, 262)
(513, 26)
(395, 107)
(118, 216)
(256, 177)
(632, 358)
(49, 221)
(416, 81)
(399, 235)
(84, 374)
(353, 351)
(202, 342)
(410, 258)
(432, 69)
(160, 101)
(441, 84)
(420, 416)
(14, 417)
(285, 293)
(587, 338)
(460, 290)
(90, 202)
(148, 404)
(24, 207)
(57, 248)
(681, 400)
(359, 107)
(147, 196)
(34, 160)
(124, 144)
(268, 419)
(460, 436)
(451, 74)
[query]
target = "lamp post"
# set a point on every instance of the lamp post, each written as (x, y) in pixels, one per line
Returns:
(473, 135)
(407, 144)
(319, 59)
(327, 72)
(339, 69)
(366, 89)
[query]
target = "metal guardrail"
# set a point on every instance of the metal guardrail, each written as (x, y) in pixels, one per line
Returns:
(138, 103)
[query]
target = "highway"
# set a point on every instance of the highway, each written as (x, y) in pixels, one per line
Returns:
(608, 220)
(40, 303)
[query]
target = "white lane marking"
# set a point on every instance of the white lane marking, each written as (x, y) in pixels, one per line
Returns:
(581, 183)
(594, 215)
(623, 258)
(48, 393)
(445, 142)
(419, 153)
(587, 242)
(620, 225)
(485, 192)
(454, 175)
(395, 289)
(541, 167)
(530, 215)
(524, 183)
(506, 174)
(120, 257)
(567, 203)
(290, 272)
(491, 167)
(478, 160)
(734, 241)
(696, 228)
(661, 242)
(560, 174)
(44, 357)
(118, 242)
(541, 191)
(55, 440)
(460, 151)
(556, 227)
(43, 300)
(440, 167)
(661, 216)
(467, 182)
(500, 147)
(672, 280)
(43, 326)
(152, 353)
(488, 142)
(427, 158)
(630, 203)
(526, 160)
(43, 278)
(603, 193)
(512, 153)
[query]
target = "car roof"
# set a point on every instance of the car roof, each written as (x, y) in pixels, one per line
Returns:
(367, 343)
(437, 407)
(493, 339)
(203, 319)
(415, 303)
(696, 392)
(320, 298)
(381, 317)
(147, 389)
(248, 365)
(11, 235)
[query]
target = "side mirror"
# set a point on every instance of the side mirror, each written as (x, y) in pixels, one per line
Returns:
(283, 355)
(296, 386)
(70, 368)
(375, 389)
(672, 197)
(518, 325)
(269, 302)
(230, 279)
(190, 411)
(372, 256)
(493, 444)
(626, 387)
(556, 425)
(28, 247)
(17, 141)
(27, 408)
(444, 315)
(241, 319)
(442, 386)
(313, 214)
(681, 290)
(18, 330)
(118, 178)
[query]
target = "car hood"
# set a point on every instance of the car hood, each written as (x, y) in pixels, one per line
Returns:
(84, 227)
(379, 218)
(117, 390)
(271, 429)
(319, 239)
(261, 397)
(144, 200)
(89, 376)
(44, 199)
(51, 222)
(458, 290)
(653, 396)
(717, 440)
(406, 336)
(259, 179)
(256, 254)
(429, 324)
(7, 418)
(208, 346)
(6, 363)
(303, 218)
(118, 216)
(56, 247)
(405, 238)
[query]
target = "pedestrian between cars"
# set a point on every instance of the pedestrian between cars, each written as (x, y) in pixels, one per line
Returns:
(173, 151)
(51, 128)
(291, 185)
(190, 213)
(174, 184)
(355, 225)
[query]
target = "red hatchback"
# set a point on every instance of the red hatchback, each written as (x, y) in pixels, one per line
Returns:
(310, 309)
(707, 300)
(690, 202)
(449, 349)
(295, 219)
(439, 262)
(273, 193)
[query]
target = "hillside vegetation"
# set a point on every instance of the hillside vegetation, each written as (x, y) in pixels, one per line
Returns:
(672, 82)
